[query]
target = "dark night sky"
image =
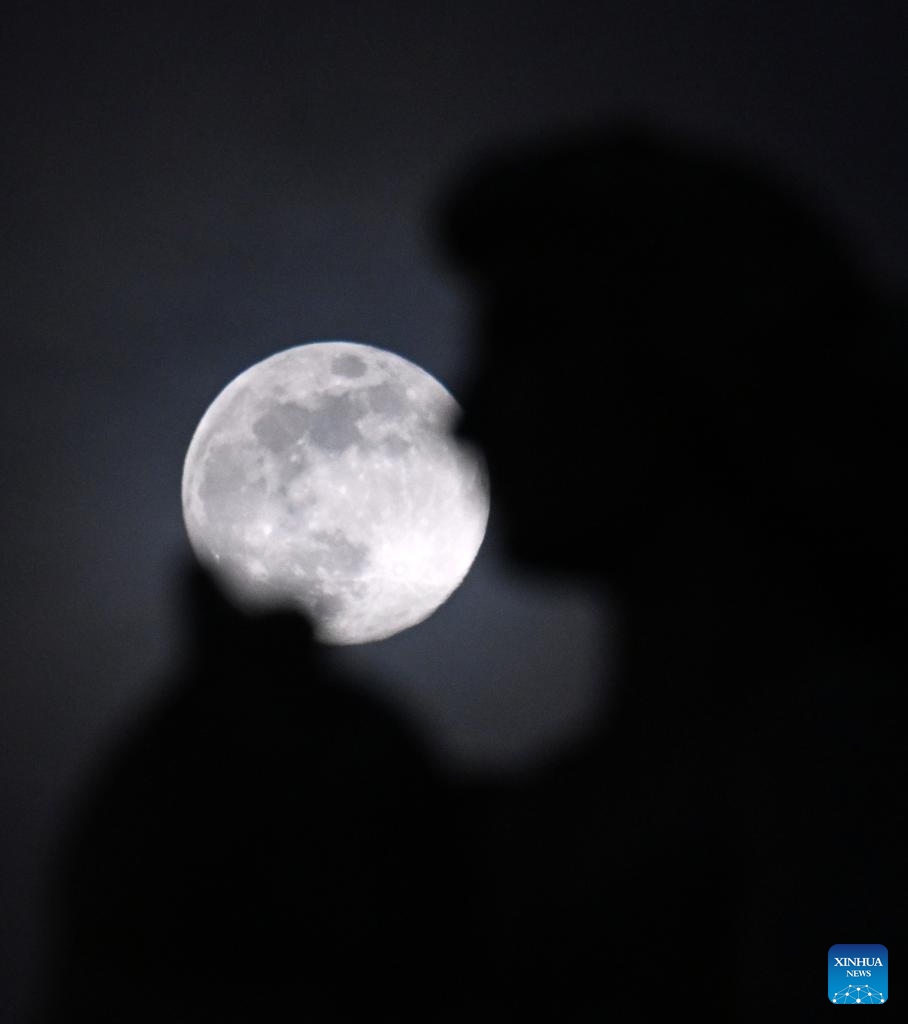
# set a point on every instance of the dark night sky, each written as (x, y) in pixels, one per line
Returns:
(188, 191)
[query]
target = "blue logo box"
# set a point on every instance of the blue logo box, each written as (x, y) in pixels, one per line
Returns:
(858, 974)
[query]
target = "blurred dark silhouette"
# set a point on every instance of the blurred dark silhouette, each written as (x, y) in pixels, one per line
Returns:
(266, 847)
(688, 390)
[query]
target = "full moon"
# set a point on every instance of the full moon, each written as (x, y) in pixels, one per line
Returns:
(327, 477)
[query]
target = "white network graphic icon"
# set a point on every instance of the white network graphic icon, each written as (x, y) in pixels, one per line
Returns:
(859, 994)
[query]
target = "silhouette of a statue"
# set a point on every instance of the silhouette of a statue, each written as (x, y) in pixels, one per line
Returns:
(686, 389)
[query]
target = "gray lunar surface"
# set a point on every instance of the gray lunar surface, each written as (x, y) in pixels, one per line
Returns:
(327, 476)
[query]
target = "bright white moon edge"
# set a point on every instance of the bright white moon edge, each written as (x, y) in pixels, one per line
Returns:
(327, 476)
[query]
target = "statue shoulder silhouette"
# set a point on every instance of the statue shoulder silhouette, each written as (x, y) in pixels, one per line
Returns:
(268, 833)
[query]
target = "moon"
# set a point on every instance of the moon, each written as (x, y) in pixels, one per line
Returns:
(327, 477)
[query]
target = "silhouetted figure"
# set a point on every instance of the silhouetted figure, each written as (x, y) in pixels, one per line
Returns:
(687, 391)
(266, 848)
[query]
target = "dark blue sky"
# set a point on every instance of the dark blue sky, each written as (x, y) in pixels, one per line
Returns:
(188, 190)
